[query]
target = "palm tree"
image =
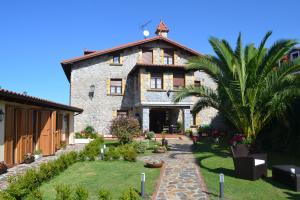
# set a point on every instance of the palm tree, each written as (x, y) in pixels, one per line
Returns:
(252, 87)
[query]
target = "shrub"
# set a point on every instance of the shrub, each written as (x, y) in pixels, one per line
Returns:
(4, 195)
(112, 154)
(80, 193)
(130, 194)
(104, 194)
(125, 129)
(21, 185)
(63, 192)
(189, 132)
(150, 135)
(129, 153)
(91, 150)
(140, 147)
(88, 132)
(35, 195)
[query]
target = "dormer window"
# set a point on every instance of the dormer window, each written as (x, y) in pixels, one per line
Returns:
(168, 57)
(116, 59)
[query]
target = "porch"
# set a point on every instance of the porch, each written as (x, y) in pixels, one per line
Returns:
(168, 119)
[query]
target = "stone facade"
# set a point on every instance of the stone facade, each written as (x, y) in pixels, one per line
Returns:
(138, 98)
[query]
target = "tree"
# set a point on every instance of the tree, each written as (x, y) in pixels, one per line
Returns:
(252, 87)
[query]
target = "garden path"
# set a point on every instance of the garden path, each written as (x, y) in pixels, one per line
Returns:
(19, 169)
(181, 178)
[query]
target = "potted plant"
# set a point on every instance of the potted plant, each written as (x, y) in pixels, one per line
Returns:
(28, 158)
(3, 168)
(37, 154)
(159, 149)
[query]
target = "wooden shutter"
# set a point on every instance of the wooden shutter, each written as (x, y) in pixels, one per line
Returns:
(161, 56)
(123, 86)
(108, 86)
(9, 135)
(164, 81)
(178, 80)
(121, 58)
(147, 56)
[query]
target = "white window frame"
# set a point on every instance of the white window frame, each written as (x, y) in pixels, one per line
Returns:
(294, 53)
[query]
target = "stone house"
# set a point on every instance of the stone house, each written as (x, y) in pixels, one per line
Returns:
(137, 79)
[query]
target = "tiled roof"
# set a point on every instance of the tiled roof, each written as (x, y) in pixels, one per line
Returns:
(66, 63)
(11, 96)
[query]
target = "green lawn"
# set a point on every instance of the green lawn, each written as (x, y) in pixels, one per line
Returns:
(215, 159)
(113, 175)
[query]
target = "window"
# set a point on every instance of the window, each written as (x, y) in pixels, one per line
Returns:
(122, 113)
(116, 86)
(168, 57)
(178, 80)
(294, 55)
(197, 83)
(156, 81)
(116, 59)
(147, 56)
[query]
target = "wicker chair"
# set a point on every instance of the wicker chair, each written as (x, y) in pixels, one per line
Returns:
(248, 166)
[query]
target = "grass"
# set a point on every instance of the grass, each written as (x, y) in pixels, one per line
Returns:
(116, 176)
(215, 159)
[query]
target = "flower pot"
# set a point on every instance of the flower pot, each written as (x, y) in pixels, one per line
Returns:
(154, 164)
(29, 160)
(3, 168)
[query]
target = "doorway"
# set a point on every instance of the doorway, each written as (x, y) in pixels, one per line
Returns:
(157, 120)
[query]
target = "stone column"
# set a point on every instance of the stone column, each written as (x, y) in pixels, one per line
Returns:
(187, 118)
(145, 119)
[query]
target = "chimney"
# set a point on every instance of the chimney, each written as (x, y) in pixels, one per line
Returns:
(162, 29)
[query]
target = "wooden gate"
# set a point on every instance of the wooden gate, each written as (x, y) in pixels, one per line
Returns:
(45, 139)
(9, 135)
(59, 118)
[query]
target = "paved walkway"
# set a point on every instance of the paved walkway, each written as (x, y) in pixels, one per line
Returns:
(19, 169)
(181, 179)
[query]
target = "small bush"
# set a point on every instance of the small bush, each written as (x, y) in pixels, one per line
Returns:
(63, 192)
(104, 194)
(80, 193)
(4, 195)
(35, 195)
(91, 150)
(130, 194)
(125, 129)
(140, 147)
(129, 153)
(150, 135)
(88, 132)
(112, 154)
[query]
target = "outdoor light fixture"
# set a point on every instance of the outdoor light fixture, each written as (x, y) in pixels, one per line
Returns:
(221, 186)
(168, 93)
(92, 90)
(1, 115)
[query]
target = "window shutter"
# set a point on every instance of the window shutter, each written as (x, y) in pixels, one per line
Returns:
(114, 114)
(121, 58)
(108, 86)
(123, 86)
(171, 81)
(148, 56)
(111, 59)
(161, 56)
(165, 81)
(176, 58)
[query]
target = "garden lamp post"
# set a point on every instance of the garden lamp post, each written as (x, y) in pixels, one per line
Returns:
(143, 179)
(221, 186)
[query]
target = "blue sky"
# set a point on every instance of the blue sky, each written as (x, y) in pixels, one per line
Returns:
(36, 35)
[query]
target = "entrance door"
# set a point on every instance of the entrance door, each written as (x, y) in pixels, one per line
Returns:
(9, 135)
(30, 130)
(57, 138)
(157, 120)
(21, 135)
(45, 140)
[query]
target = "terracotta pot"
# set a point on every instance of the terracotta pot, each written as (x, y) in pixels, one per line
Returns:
(29, 160)
(154, 164)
